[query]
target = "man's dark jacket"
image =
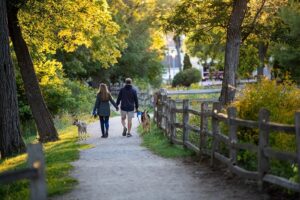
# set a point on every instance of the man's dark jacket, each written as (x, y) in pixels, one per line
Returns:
(128, 98)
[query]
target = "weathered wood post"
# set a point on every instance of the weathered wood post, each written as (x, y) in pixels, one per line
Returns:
(155, 107)
(297, 127)
(203, 127)
(215, 130)
(173, 120)
(163, 113)
(36, 160)
(263, 160)
(185, 121)
(168, 113)
(159, 112)
(231, 111)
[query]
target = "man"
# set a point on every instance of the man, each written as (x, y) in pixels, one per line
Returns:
(128, 98)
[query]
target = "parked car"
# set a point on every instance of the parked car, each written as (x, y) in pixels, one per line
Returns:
(217, 75)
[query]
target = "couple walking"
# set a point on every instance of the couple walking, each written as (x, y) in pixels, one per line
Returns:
(128, 99)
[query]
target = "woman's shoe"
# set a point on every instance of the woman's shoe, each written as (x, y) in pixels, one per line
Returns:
(124, 131)
(103, 136)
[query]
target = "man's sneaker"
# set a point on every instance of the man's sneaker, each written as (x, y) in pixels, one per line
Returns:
(124, 131)
(129, 135)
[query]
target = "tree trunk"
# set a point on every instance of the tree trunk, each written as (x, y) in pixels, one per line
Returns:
(232, 51)
(178, 47)
(10, 135)
(262, 51)
(40, 112)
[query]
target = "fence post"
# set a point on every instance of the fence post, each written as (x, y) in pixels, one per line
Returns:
(185, 121)
(163, 119)
(215, 130)
(203, 126)
(297, 127)
(38, 187)
(173, 119)
(155, 107)
(168, 113)
(231, 111)
(159, 112)
(263, 161)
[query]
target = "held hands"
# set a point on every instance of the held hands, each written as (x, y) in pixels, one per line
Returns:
(94, 114)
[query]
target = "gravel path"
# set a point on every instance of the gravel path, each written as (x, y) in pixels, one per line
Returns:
(119, 168)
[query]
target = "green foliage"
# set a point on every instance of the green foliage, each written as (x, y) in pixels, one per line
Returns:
(211, 54)
(50, 25)
(205, 24)
(61, 94)
(159, 144)
(248, 61)
(186, 77)
(78, 64)
(287, 47)
(187, 62)
(282, 100)
(141, 59)
(72, 97)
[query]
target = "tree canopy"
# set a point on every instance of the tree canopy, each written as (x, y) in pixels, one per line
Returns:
(207, 23)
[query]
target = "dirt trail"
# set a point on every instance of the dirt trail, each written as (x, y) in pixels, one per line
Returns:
(119, 168)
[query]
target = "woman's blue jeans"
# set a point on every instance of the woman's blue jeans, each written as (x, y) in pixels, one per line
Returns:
(104, 124)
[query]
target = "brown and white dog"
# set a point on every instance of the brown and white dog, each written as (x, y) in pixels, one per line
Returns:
(82, 129)
(146, 122)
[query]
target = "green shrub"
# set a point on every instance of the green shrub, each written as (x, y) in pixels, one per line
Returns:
(71, 97)
(186, 77)
(282, 100)
(187, 62)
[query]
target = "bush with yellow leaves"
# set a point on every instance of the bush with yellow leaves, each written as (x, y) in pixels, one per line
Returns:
(282, 100)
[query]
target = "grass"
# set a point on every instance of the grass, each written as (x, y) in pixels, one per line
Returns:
(58, 156)
(160, 145)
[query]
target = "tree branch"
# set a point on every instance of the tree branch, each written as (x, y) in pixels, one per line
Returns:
(251, 28)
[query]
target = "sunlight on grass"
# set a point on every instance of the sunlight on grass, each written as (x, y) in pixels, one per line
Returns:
(160, 145)
(58, 156)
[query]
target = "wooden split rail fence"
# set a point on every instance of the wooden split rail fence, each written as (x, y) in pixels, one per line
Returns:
(145, 98)
(35, 173)
(165, 118)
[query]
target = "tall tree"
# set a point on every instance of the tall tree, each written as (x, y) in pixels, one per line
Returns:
(178, 45)
(286, 49)
(141, 59)
(187, 62)
(10, 135)
(232, 50)
(40, 112)
(201, 21)
(42, 27)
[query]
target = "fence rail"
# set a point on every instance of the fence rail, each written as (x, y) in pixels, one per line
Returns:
(165, 117)
(145, 98)
(35, 173)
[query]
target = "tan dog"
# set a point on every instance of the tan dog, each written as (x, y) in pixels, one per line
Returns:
(146, 122)
(82, 127)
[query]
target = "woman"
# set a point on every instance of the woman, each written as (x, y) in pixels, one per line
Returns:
(102, 108)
